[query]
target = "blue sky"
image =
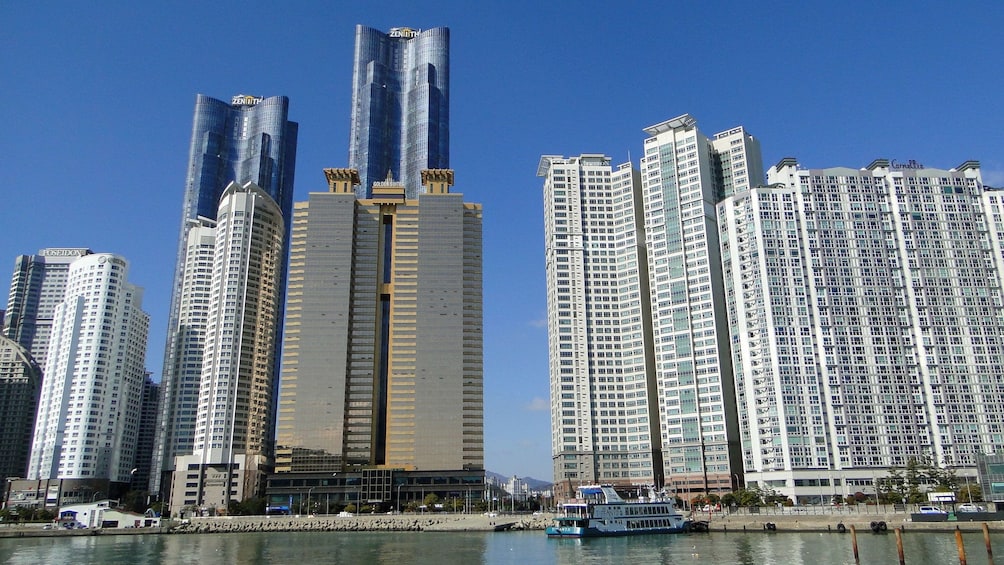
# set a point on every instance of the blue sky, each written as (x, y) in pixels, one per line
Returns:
(97, 103)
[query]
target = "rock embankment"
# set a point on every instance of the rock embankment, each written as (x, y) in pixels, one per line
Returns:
(380, 523)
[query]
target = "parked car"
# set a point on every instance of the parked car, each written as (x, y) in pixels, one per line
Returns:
(932, 510)
(970, 507)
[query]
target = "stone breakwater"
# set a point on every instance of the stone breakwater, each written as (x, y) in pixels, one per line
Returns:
(380, 523)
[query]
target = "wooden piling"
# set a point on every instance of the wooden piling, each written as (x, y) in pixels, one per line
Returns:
(854, 545)
(960, 546)
(899, 546)
(986, 540)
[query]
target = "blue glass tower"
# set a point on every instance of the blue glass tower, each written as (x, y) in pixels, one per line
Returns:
(249, 139)
(400, 106)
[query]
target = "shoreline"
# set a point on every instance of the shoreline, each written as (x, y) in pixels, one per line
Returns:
(736, 523)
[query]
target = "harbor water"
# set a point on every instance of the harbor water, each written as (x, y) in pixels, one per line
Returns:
(503, 548)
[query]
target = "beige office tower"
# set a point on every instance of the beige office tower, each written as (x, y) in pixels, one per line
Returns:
(382, 364)
(231, 442)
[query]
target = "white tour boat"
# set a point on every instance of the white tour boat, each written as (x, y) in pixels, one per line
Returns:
(598, 510)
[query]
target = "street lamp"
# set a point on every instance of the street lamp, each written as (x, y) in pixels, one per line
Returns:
(399, 496)
(309, 490)
(95, 495)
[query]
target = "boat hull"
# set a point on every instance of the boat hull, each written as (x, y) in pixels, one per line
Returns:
(590, 532)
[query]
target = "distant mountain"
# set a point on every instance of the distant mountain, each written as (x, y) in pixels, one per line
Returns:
(531, 483)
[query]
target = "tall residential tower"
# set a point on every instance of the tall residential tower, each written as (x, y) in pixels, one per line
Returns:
(641, 373)
(866, 311)
(20, 383)
(89, 410)
(232, 442)
(36, 288)
(603, 390)
(249, 139)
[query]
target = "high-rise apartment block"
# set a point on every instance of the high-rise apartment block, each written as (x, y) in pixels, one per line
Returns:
(684, 175)
(866, 322)
(599, 324)
(249, 139)
(232, 441)
(89, 410)
(641, 378)
(382, 370)
(20, 384)
(807, 334)
(400, 106)
(36, 288)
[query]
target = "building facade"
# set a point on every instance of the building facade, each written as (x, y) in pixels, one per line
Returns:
(20, 384)
(149, 410)
(866, 313)
(684, 174)
(382, 372)
(603, 390)
(641, 374)
(249, 139)
(36, 288)
(89, 408)
(235, 400)
(400, 106)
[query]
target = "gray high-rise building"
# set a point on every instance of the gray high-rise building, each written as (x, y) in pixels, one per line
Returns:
(20, 384)
(249, 139)
(866, 322)
(147, 433)
(36, 288)
(400, 106)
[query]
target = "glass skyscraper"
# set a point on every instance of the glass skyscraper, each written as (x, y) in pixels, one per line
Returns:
(249, 139)
(400, 106)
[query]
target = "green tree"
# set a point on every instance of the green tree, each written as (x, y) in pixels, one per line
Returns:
(430, 501)
(252, 506)
(969, 493)
(134, 501)
(748, 497)
(912, 482)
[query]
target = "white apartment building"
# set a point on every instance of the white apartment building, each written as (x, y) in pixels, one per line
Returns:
(866, 322)
(89, 408)
(238, 358)
(603, 409)
(182, 375)
(684, 175)
(641, 377)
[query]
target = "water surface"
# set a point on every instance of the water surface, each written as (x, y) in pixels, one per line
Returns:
(510, 548)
